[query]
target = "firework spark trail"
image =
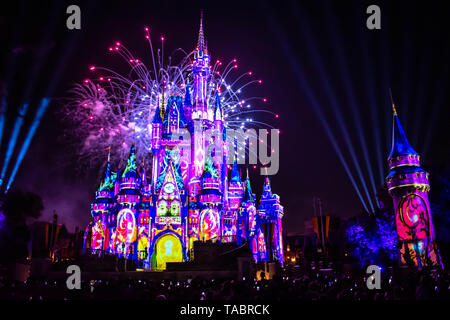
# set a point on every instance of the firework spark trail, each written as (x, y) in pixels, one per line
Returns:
(112, 110)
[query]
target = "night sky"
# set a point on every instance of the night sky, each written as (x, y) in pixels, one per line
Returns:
(322, 69)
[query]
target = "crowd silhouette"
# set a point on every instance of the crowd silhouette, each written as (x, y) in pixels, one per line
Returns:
(300, 285)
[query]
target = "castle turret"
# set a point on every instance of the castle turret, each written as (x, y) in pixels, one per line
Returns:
(210, 192)
(107, 184)
(249, 196)
(104, 196)
(408, 185)
(174, 117)
(187, 105)
(249, 201)
(218, 115)
(235, 189)
(156, 130)
(269, 223)
(130, 179)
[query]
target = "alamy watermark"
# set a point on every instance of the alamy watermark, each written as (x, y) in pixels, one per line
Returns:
(247, 147)
(74, 20)
(374, 280)
(74, 280)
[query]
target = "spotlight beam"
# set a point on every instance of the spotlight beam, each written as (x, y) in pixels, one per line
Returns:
(368, 73)
(349, 91)
(12, 61)
(331, 96)
(23, 150)
(306, 88)
(71, 42)
(385, 53)
(12, 141)
(3, 108)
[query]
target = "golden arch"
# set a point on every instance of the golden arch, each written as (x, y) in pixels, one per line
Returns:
(168, 248)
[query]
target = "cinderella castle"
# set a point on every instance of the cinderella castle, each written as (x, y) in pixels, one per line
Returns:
(157, 218)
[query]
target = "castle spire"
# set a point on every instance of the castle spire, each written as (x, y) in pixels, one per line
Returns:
(157, 116)
(248, 193)
(162, 105)
(201, 44)
(107, 183)
(267, 182)
(400, 144)
(235, 175)
(187, 97)
(131, 169)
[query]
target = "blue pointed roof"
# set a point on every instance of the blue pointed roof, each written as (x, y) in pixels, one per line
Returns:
(217, 107)
(209, 171)
(400, 144)
(157, 116)
(187, 96)
(235, 175)
(131, 168)
(175, 101)
(248, 194)
(109, 177)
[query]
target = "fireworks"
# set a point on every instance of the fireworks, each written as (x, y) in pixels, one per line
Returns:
(109, 110)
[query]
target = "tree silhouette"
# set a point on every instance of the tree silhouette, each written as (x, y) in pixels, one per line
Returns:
(15, 234)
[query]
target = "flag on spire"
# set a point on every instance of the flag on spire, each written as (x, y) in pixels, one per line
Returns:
(392, 101)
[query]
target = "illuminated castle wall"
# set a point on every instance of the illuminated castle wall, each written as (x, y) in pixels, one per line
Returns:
(408, 186)
(156, 219)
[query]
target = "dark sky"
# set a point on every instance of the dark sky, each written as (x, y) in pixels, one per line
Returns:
(322, 69)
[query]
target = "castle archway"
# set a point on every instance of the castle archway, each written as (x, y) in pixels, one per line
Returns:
(168, 248)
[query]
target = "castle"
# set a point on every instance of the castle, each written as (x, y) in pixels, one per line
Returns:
(157, 218)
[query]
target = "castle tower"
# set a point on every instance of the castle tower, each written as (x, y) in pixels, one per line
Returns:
(100, 209)
(128, 199)
(269, 220)
(187, 104)
(174, 116)
(210, 203)
(246, 222)
(235, 188)
(408, 185)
